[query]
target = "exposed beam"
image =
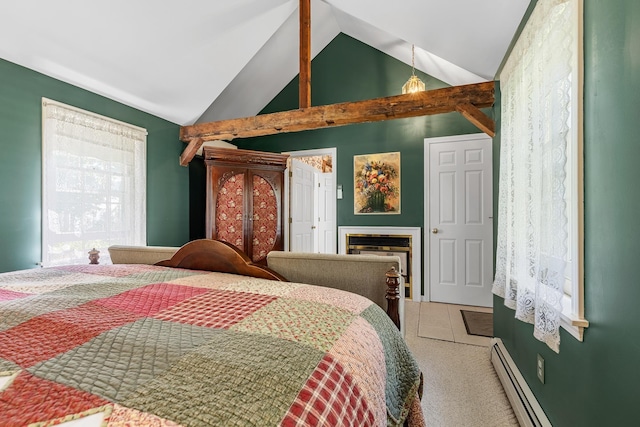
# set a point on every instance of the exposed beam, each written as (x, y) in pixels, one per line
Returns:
(191, 150)
(305, 54)
(478, 118)
(446, 100)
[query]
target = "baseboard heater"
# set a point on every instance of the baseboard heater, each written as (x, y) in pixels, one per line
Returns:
(524, 403)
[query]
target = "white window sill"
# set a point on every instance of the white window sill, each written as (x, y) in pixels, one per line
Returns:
(570, 321)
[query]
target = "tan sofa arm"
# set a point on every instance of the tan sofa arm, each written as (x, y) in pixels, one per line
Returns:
(361, 274)
(123, 254)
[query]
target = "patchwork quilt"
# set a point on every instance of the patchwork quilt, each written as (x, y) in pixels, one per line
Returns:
(125, 345)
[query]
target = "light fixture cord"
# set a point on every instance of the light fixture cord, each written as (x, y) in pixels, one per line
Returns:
(413, 60)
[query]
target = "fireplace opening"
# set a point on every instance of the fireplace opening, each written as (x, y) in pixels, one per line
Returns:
(385, 244)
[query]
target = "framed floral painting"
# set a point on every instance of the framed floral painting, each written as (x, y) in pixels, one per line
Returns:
(376, 183)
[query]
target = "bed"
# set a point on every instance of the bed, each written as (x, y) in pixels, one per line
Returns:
(204, 338)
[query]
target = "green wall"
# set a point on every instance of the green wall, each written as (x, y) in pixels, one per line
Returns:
(348, 70)
(21, 91)
(596, 382)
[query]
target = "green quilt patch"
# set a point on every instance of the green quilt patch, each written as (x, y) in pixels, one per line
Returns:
(117, 362)
(163, 275)
(399, 362)
(250, 380)
(8, 366)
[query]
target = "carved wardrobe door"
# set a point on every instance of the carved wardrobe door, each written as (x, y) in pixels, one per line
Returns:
(244, 199)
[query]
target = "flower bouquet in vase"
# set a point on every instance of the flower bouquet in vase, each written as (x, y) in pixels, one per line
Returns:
(376, 187)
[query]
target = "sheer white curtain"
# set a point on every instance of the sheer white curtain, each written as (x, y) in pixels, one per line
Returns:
(94, 184)
(533, 223)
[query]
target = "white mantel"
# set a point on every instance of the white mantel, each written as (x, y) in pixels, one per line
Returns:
(416, 245)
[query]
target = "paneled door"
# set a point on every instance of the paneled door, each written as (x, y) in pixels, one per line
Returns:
(460, 220)
(303, 207)
(326, 218)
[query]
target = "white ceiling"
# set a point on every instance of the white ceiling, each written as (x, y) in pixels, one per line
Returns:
(191, 60)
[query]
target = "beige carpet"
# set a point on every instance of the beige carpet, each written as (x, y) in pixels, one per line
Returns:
(461, 388)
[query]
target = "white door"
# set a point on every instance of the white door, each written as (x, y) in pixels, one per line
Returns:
(326, 208)
(460, 220)
(303, 207)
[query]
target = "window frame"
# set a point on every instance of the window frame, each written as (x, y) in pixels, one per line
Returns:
(572, 316)
(48, 237)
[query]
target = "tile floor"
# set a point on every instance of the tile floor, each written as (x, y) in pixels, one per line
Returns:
(444, 322)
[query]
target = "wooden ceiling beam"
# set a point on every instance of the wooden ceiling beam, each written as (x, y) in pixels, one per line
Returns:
(478, 118)
(466, 99)
(305, 55)
(189, 153)
(438, 101)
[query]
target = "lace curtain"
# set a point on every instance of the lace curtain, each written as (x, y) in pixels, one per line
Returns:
(94, 184)
(532, 229)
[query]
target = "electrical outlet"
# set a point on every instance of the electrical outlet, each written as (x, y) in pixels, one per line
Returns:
(540, 369)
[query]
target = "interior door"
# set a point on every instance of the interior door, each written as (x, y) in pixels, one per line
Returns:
(460, 223)
(326, 207)
(303, 229)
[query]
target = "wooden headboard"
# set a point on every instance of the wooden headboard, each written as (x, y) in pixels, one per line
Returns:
(216, 255)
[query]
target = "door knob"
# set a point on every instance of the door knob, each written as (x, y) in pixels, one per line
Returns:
(434, 230)
(313, 227)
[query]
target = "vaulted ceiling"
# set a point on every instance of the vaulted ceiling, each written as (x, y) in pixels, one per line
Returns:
(192, 60)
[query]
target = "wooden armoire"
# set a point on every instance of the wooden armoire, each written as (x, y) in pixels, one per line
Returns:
(244, 199)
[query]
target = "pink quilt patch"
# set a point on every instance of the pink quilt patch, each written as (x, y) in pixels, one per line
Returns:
(360, 351)
(46, 336)
(31, 399)
(151, 299)
(6, 295)
(216, 308)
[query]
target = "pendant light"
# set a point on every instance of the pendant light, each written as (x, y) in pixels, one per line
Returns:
(414, 84)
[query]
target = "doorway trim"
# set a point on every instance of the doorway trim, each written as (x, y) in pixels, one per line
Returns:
(333, 152)
(426, 257)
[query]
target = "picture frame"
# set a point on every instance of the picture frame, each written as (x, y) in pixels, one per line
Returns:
(376, 184)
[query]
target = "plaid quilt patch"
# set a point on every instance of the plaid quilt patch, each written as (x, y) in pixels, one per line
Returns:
(151, 299)
(148, 345)
(330, 397)
(216, 309)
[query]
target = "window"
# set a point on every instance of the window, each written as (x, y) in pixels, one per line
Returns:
(539, 254)
(93, 184)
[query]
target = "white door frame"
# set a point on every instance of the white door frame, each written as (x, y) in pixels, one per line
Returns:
(304, 178)
(427, 231)
(333, 152)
